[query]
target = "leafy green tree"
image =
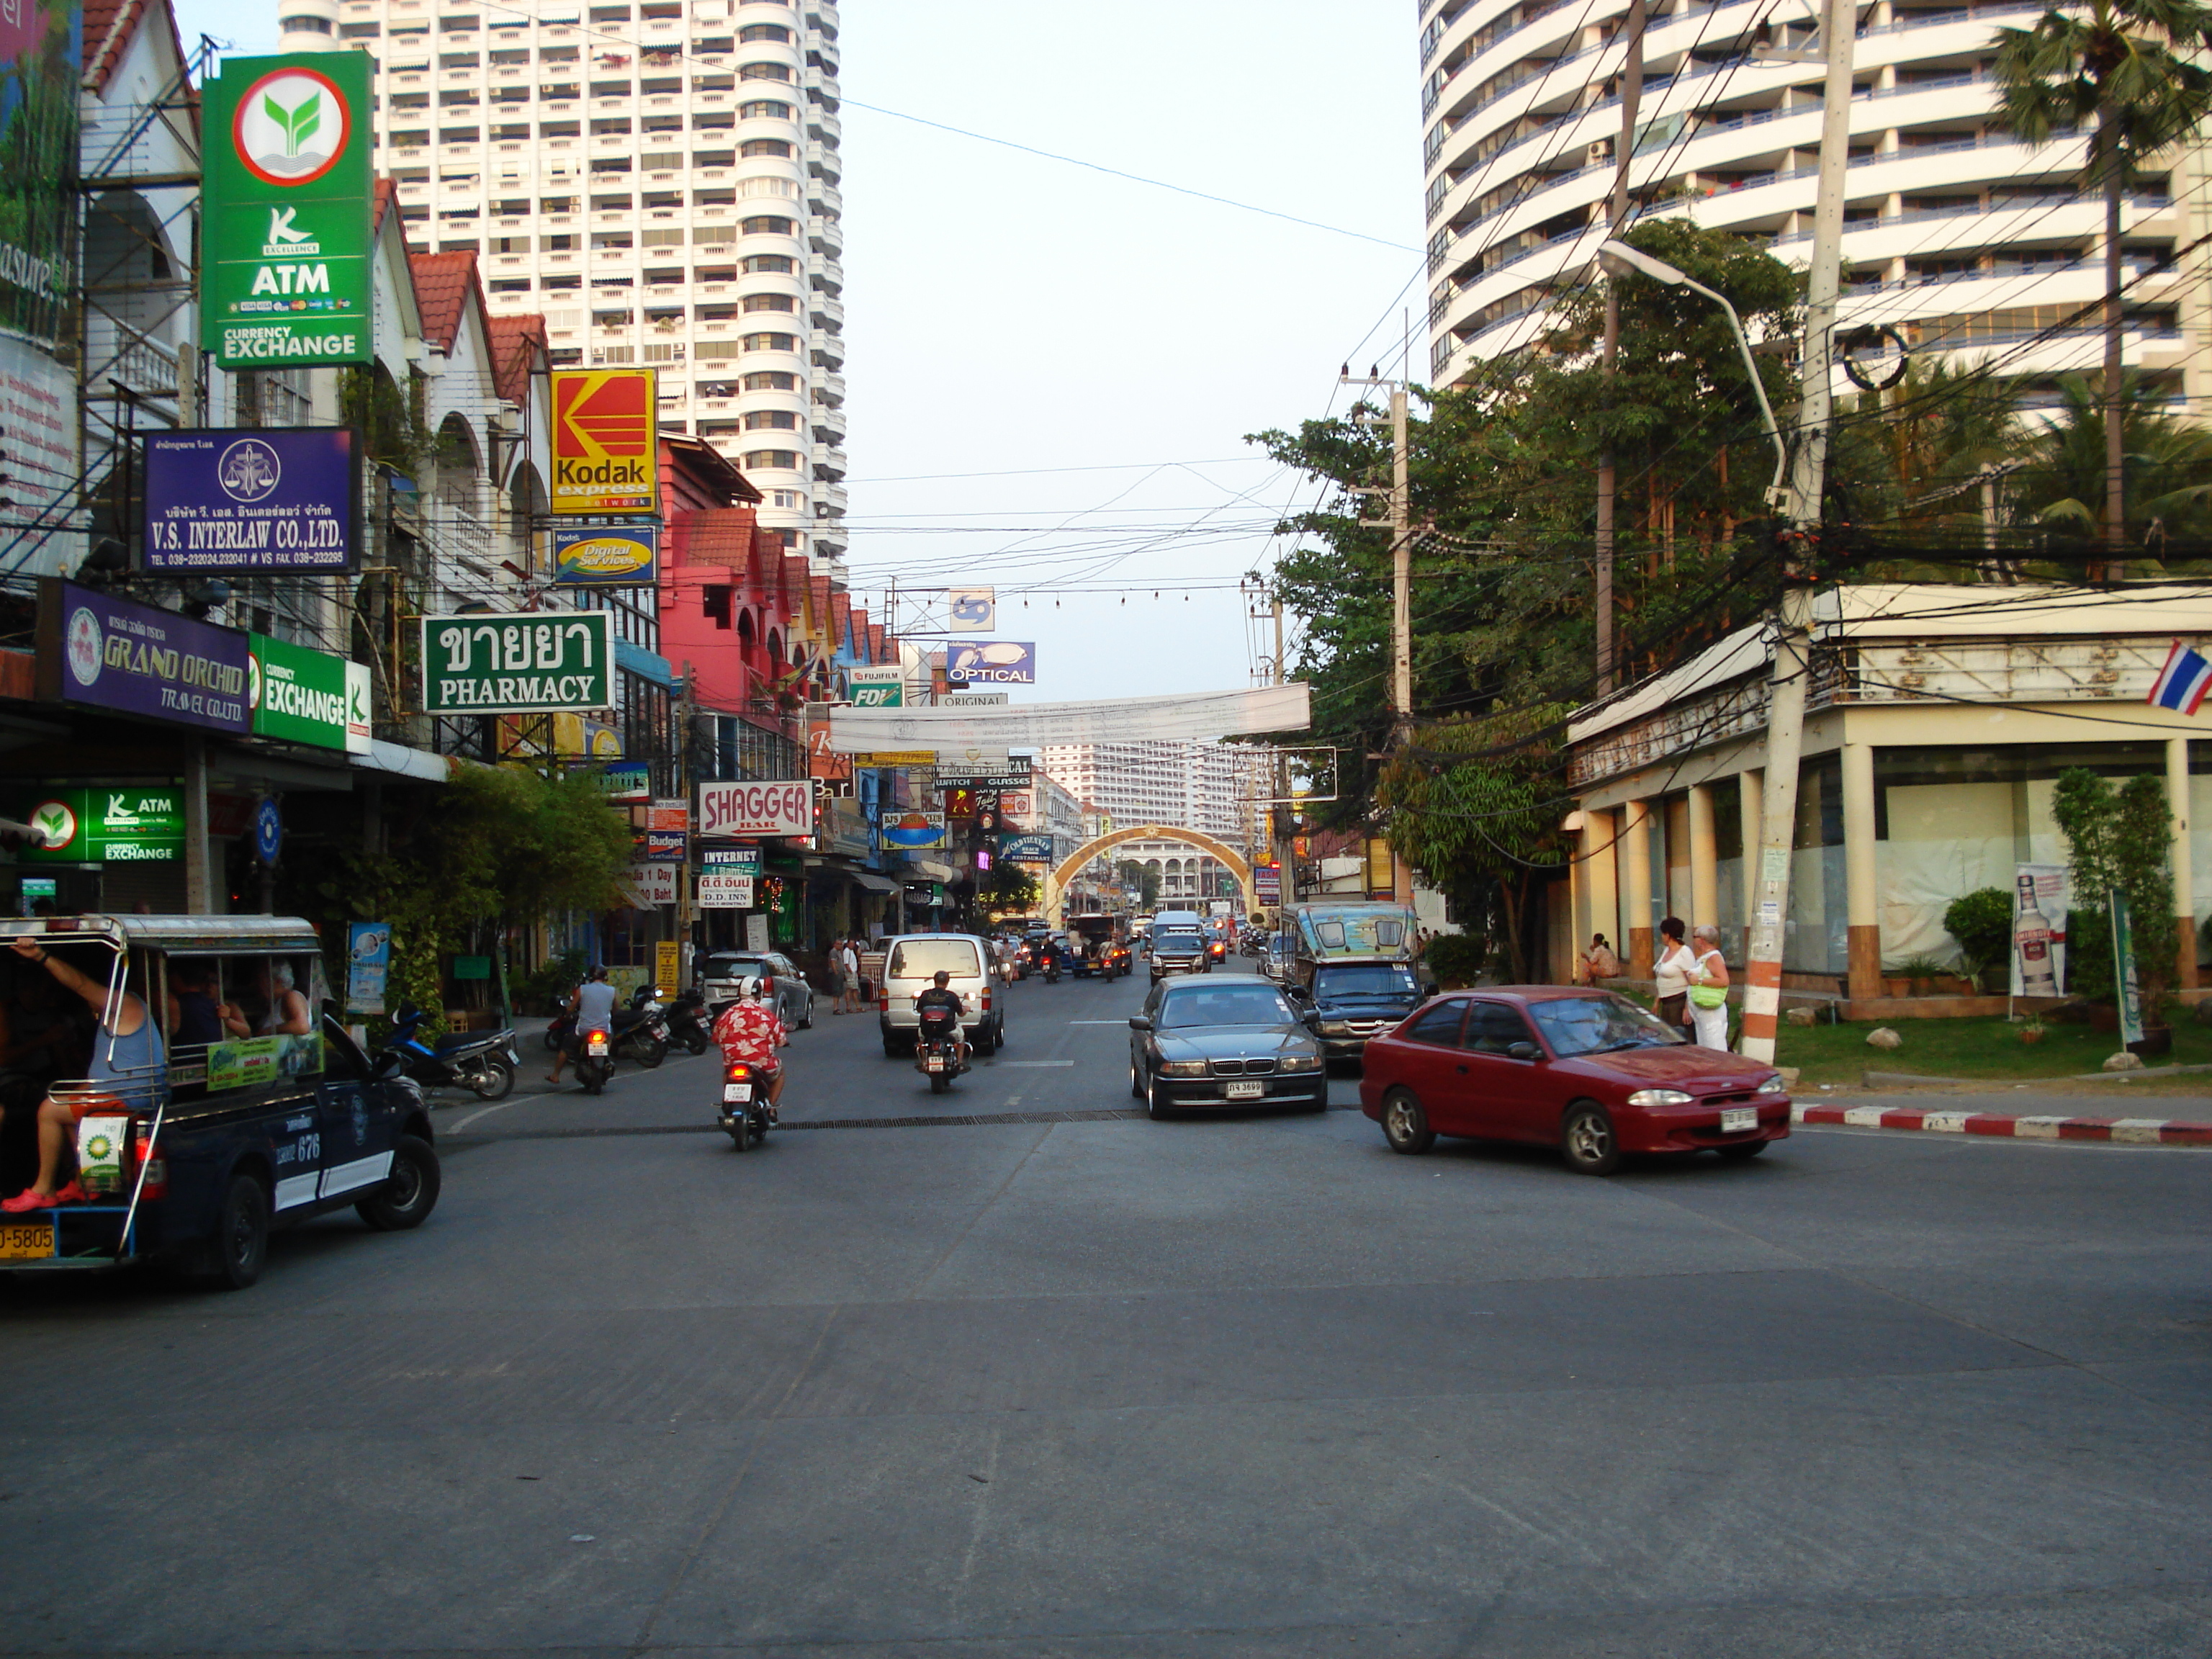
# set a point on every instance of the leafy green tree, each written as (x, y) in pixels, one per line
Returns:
(1007, 888)
(1932, 456)
(2167, 464)
(2127, 71)
(1145, 879)
(2118, 838)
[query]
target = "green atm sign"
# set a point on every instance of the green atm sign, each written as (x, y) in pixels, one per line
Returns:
(285, 281)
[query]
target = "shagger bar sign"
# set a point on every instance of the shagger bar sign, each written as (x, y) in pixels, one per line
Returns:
(756, 809)
(603, 424)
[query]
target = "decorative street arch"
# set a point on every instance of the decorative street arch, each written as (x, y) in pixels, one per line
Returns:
(1056, 881)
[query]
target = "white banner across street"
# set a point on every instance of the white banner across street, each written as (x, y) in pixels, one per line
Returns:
(1197, 718)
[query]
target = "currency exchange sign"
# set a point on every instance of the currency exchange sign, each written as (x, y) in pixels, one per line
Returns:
(529, 662)
(284, 281)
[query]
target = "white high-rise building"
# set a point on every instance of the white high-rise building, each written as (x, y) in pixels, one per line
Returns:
(1958, 236)
(1208, 787)
(659, 180)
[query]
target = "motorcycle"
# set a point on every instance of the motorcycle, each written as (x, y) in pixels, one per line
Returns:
(687, 1021)
(595, 1060)
(939, 1052)
(641, 1030)
(746, 1115)
(1052, 968)
(483, 1062)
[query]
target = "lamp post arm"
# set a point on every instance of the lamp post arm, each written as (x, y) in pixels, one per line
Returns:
(1758, 386)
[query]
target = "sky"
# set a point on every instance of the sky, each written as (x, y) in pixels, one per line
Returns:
(1085, 352)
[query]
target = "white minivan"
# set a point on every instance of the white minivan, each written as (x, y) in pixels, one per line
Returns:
(911, 964)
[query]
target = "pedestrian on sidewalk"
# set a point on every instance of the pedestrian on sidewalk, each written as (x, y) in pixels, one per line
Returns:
(833, 974)
(1671, 972)
(1709, 984)
(1599, 962)
(848, 964)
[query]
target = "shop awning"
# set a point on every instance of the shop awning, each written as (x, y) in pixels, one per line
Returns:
(408, 763)
(647, 665)
(875, 883)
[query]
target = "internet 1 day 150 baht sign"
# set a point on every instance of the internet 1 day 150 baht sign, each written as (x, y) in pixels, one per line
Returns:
(530, 662)
(285, 276)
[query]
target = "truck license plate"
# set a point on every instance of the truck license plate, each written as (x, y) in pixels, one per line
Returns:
(1248, 1090)
(597, 1048)
(1734, 1120)
(31, 1241)
(738, 1092)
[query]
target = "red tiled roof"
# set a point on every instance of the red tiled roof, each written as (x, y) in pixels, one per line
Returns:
(109, 27)
(442, 285)
(841, 619)
(384, 194)
(721, 536)
(517, 342)
(794, 584)
(876, 643)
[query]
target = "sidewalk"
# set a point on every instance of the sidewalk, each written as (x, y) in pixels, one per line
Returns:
(2019, 1114)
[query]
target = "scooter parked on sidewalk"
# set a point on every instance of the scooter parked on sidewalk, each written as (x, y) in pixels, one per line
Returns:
(747, 1113)
(483, 1062)
(688, 1025)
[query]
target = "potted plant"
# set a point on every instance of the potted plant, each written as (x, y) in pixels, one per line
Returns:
(1919, 973)
(2031, 1031)
(2119, 838)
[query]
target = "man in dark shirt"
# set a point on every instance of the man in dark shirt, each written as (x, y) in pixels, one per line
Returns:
(940, 995)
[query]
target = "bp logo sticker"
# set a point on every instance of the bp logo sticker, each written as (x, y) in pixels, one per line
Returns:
(291, 127)
(84, 647)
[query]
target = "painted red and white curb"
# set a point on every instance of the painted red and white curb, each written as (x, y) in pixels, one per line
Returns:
(2121, 1131)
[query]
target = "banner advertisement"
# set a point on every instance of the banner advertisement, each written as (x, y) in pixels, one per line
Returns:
(2124, 969)
(1016, 804)
(971, 609)
(626, 780)
(668, 964)
(993, 662)
(132, 825)
(1015, 781)
(627, 557)
(849, 827)
(666, 845)
(37, 450)
(284, 279)
(897, 757)
(1195, 717)
(303, 695)
(878, 686)
(721, 890)
(249, 502)
(785, 808)
(603, 425)
(732, 860)
(668, 815)
(960, 803)
(110, 653)
(1267, 885)
(652, 885)
(1026, 849)
(42, 47)
(912, 831)
(526, 662)
(368, 960)
(2038, 930)
(822, 760)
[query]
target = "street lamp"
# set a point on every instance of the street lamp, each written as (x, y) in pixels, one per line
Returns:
(1618, 259)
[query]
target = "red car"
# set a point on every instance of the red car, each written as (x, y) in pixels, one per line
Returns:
(1585, 1071)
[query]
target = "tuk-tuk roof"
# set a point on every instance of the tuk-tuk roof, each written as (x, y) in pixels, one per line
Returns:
(180, 935)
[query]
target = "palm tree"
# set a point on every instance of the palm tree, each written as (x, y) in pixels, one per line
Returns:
(2126, 66)
(2167, 463)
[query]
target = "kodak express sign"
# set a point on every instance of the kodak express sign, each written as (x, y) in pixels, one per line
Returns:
(603, 426)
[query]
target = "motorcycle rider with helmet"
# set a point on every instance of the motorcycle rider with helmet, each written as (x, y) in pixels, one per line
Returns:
(939, 995)
(749, 1034)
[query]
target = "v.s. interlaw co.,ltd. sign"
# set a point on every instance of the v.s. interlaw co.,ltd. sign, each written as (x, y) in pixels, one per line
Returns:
(284, 280)
(250, 502)
(532, 662)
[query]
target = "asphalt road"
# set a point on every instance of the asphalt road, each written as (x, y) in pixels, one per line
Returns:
(1052, 1380)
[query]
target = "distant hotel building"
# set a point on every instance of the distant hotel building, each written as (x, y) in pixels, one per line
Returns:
(1958, 235)
(1210, 786)
(659, 180)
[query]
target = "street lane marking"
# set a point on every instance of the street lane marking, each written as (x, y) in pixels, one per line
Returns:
(1099, 1022)
(1036, 1062)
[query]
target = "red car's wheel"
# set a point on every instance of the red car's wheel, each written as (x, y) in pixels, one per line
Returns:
(1405, 1125)
(1586, 1140)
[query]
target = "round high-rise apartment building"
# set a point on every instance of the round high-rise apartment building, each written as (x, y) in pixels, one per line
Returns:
(658, 178)
(1958, 236)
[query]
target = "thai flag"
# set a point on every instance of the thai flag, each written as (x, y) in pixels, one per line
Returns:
(2182, 683)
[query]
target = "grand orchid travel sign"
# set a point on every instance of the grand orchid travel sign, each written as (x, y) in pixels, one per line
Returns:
(285, 282)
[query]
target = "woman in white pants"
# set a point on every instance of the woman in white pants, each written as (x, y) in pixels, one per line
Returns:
(1710, 1023)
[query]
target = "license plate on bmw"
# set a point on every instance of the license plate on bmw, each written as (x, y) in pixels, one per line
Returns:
(737, 1091)
(1247, 1091)
(1737, 1119)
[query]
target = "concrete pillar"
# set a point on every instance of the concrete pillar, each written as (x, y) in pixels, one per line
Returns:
(2184, 891)
(1705, 858)
(1636, 873)
(199, 888)
(1751, 813)
(1600, 880)
(1861, 873)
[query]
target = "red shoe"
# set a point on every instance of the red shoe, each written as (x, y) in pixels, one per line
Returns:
(25, 1202)
(73, 1194)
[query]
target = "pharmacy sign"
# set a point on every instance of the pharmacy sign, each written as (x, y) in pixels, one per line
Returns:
(286, 279)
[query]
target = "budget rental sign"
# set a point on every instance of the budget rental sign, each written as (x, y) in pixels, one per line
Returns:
(285, 277)
(604, 422)
(784, 808)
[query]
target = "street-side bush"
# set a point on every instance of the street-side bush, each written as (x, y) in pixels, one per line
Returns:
(2117, 838)
(1457, 958)
(1982, 923)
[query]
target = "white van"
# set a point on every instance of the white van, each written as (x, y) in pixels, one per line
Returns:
(911, 964)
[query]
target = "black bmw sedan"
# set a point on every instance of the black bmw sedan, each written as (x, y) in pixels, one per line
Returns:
(1227, 1040)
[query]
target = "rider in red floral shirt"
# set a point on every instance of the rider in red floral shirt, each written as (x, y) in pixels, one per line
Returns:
(749, 1034)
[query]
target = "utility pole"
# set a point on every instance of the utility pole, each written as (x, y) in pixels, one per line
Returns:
(1286, 865)
(1400, 524)
(1631, 95)
(1769, 881)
